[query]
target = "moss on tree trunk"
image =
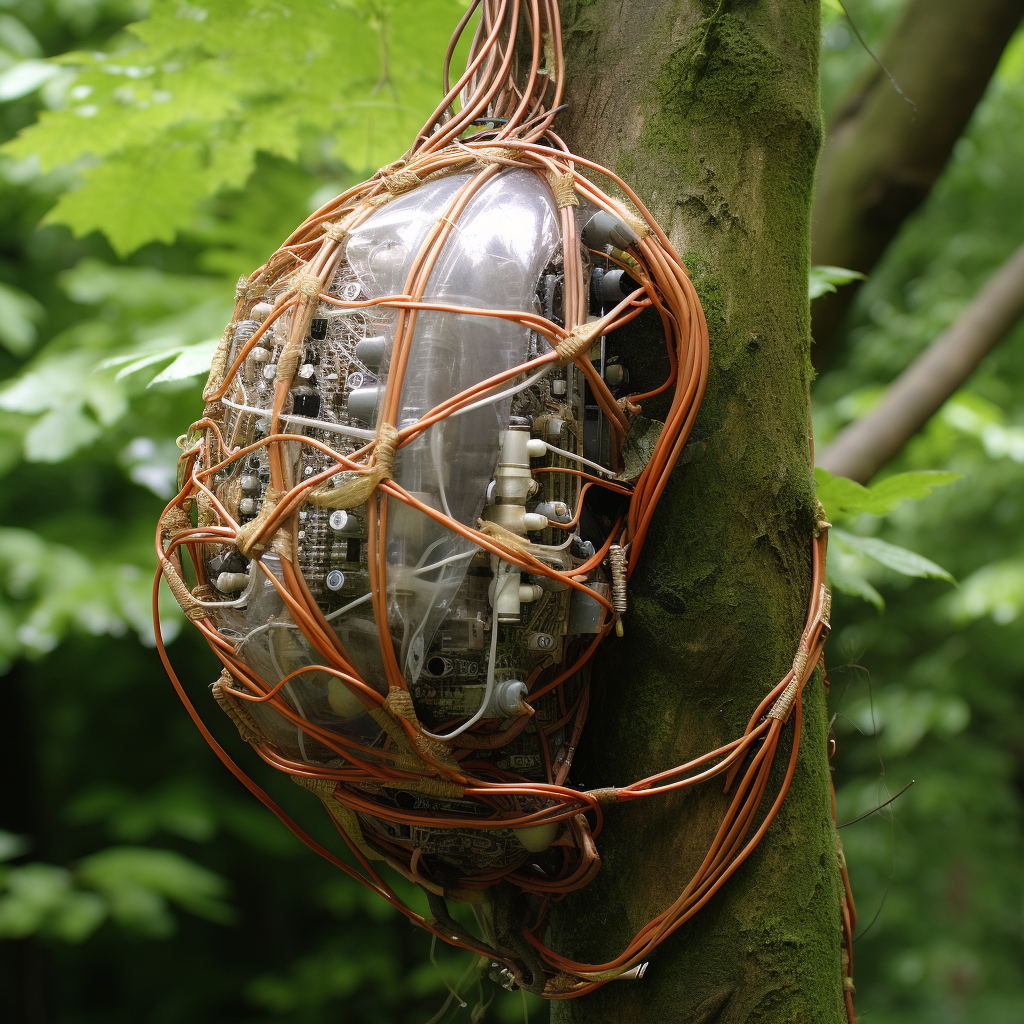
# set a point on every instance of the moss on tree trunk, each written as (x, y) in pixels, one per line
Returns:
(711, 111)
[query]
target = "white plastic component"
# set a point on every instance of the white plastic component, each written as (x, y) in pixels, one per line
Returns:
(556, 510)
(534, 521)
(342, 700)
(232, 582)
(529, 593)
(506, 605)
(261, 311)
(512, 478)
(559, 387)
(536, 838)
(338, 520)
(554, 428)
(535, 447)
(507, 699)
(247, 507)
(541, 642)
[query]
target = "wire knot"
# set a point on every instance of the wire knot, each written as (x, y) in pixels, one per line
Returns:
(400, 182)
(564, 188)
(576, 343)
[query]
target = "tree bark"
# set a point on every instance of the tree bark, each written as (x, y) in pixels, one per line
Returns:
(864, 447)
(881, 157)
(711, 111)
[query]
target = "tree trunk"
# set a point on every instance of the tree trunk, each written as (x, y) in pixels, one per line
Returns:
(882, 157)
(711, 111)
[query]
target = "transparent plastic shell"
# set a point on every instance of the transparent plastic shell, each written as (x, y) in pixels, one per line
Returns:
(503, 238)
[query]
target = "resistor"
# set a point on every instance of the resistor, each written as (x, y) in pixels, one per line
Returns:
(617, 564)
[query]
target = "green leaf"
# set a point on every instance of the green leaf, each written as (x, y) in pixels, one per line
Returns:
(19, 313)
(996, 589)
(179, 117)
(821, 280)
(12, 845)
(842, 496)
(139, 880)
(903, 561)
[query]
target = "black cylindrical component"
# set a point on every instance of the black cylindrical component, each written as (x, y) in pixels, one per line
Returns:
(318, 328)
(616, 285)
(306, 402)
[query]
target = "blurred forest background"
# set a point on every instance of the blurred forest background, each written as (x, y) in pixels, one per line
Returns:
(139, 881)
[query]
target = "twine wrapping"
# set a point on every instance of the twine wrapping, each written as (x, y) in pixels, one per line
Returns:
(784, 704)
(400, 182)
(432, 787)
(219, 363)
(181, 592)
(232, 707)
(628, 409)
(344, 816)
(576, 343)
(175, 520)
(564, 188)
(247, 538)
(505, 537)
(495, 154)
(356, 485)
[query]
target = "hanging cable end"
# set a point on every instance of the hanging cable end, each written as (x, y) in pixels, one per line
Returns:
(619, 631)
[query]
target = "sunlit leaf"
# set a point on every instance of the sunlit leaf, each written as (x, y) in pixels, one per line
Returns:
(840, 495)
(822, 280)
(908, 563)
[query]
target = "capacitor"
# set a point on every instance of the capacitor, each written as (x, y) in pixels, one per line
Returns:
(362, 403)
(335, 580)
(270, 371)
(250, 482)
(305, 402)
(338, 520)
(559, 387)
(247, 507)
(606, 229)
(370, 352)
(615, 374)
(541, 642)
(261, 311)
(232, 582)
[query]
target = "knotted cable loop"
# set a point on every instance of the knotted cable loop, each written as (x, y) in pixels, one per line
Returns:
(576, 343)
(564, 188)
(247, 539)
(354, 487)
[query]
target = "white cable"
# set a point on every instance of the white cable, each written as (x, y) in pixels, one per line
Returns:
(489, 688)
(579, 458)
(306, 421)
(529, 382)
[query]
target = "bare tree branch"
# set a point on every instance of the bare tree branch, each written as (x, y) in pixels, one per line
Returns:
(867, 445)
(882, 156)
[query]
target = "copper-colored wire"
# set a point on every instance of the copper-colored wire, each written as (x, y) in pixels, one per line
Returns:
(493, 85)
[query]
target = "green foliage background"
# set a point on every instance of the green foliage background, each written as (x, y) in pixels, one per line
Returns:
(138, 881)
